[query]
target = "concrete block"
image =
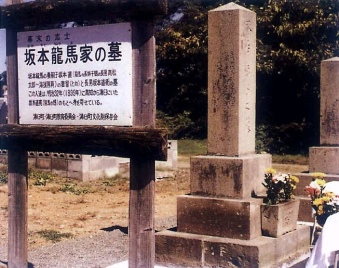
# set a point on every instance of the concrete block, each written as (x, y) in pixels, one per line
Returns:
(231, 177)
(324, 159)
(172, 156)
(59, 164)
(219, 216)
(74, 165)
(43, 163)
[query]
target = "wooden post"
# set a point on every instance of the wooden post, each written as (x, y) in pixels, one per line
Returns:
(142, 171)
(141, 222)
(17, 167)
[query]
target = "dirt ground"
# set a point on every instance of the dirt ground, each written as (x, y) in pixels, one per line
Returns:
(69, 207)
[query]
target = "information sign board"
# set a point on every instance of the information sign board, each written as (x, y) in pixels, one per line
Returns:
(76, 76)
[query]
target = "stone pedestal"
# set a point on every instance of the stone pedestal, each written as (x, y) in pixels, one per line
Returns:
(192, 250)
(231, 177)
(219, 222)
(222, 217)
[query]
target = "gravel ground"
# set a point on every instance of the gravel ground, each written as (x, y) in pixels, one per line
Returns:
(98, 251)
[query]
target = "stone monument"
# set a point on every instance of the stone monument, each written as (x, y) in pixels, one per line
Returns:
(324, 158)
(219, 223)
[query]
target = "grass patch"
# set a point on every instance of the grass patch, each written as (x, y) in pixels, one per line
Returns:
(74, 189)
(3, 174)
(192, 147)
(199, 147)
(40, 178)
(54, 236)
(290, 159)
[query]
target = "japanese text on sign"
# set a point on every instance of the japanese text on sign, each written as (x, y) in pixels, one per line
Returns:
(76, 76)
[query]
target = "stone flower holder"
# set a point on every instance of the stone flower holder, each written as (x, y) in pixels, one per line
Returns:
(279, 219)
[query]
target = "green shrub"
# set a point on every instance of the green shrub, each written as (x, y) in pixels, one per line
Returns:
(40, 177)
(54, 236)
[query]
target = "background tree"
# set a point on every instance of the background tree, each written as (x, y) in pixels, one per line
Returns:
(292, 39)
(3, 81)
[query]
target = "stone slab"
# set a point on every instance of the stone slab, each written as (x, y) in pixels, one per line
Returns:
(221, 217)
(305, 210)
(209, 251)
(324, 159)
(231, 177)
(306, 178)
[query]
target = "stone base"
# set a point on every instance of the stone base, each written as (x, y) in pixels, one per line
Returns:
(305, 209)
(222, 217)
(306, 178)
(231, 177)
(324, 159)
(191, 250)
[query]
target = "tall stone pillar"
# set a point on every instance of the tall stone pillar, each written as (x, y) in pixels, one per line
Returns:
(231, 80)
(219, 223)
(325, 158)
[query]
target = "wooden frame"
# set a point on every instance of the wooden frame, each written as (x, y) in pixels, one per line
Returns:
(142, 143)
(103, 140)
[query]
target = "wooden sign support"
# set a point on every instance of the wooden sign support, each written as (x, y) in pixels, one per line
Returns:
(142, 143)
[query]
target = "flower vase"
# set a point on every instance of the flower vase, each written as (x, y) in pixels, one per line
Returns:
(321, 219)
(279, 219)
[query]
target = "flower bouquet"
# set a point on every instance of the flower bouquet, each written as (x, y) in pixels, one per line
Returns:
(279, 187)
(278, 203)
(325, 203)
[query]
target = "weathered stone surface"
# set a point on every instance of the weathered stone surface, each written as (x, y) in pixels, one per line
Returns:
(324, 159)
(178, 248)
(231, 177)
(263, 252)
(305, 209)
(231, 80)
(329, 102)
(279, 219)
(221, 217)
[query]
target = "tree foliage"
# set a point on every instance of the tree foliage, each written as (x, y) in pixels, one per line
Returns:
(293, 37)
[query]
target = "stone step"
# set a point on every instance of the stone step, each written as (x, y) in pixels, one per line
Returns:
(193, 250)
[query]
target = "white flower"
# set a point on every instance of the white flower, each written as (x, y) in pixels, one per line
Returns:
(280, 177)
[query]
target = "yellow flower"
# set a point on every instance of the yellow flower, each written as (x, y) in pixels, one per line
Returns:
(330, 195)
(320, 182)
(295, 179)
(318, 175)
(317, 202)
(320, 210)
(271, 171)
(326, 198)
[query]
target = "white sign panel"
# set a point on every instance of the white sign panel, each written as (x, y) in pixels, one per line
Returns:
(76, 76)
